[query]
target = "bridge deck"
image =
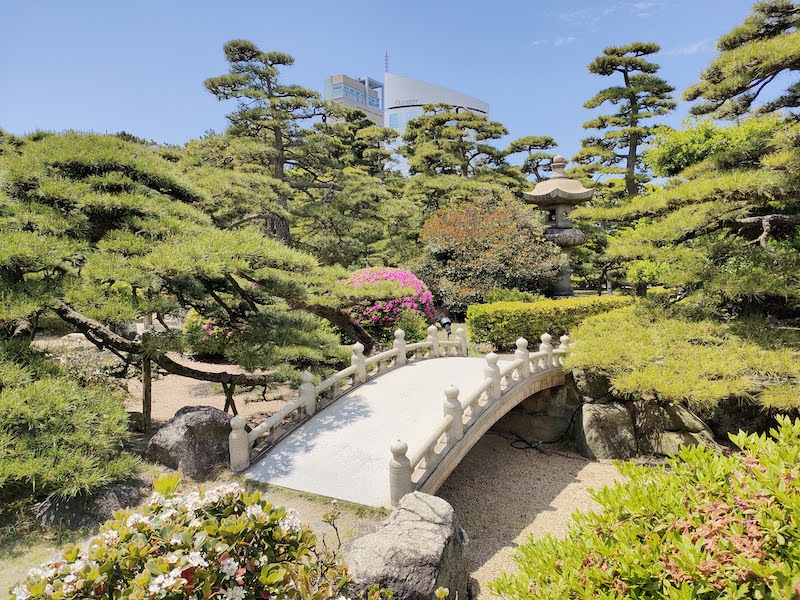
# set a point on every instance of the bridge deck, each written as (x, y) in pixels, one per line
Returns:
(343, 451)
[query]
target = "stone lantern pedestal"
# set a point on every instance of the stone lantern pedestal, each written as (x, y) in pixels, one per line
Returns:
(557, 197)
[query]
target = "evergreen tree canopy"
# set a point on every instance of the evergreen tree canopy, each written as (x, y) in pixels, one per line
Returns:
(752, 56)
(103, 230)
(642, 96)
(727, 225)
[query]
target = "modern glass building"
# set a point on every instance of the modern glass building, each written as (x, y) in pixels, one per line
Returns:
(361, 94)
(404, 98)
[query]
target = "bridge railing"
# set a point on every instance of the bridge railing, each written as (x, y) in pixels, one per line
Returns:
(409, 471)
(311, 397)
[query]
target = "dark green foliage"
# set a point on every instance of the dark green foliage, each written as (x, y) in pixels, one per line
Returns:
(485, 243)
(56, 437)
(502, 323)
(765, 46)
(707, 527)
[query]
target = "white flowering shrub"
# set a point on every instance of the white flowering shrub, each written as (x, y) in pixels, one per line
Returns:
(223, 542)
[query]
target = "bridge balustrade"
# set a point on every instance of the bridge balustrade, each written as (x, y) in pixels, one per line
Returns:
(312, 398)
(467, 419)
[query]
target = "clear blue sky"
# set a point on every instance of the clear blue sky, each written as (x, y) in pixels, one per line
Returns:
(111, 65)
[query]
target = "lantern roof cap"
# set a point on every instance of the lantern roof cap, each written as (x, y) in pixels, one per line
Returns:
(559, 189)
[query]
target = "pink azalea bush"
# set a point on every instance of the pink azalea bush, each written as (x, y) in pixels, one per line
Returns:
(382, 317)
(205, 336)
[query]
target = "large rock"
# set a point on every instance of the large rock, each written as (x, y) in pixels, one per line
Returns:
(594, 386)
(606, 432)
(420, 548)
(194, 441)
(545, 417)
(664, 428)
(85, 511)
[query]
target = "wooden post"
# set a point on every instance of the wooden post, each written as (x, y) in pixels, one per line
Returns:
(400, 472)
(400, 346)
(147, 389)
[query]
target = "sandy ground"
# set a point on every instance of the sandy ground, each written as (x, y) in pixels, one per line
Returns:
(501, 495)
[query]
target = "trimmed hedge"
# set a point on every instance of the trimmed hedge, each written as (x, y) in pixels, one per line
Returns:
(501, 323)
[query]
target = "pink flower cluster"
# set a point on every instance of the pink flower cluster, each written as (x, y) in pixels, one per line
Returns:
(388, 312)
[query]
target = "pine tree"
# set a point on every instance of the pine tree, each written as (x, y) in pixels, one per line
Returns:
(271, 111)
(642, 96)
(751, 57)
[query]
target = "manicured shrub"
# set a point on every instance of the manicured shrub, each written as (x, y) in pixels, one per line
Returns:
(56, 436)
(407, 305)
(484, 243)
(656, 353)
(501, 323)
(223, 542)
(707, 526)
(510, 295)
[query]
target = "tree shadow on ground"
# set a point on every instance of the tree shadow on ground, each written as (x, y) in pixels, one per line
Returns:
(502, 495)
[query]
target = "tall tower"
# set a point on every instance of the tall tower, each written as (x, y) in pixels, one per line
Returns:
(364, 94)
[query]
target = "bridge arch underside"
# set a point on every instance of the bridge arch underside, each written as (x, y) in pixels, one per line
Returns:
(430, 482)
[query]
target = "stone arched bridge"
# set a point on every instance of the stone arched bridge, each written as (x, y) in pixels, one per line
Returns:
(392, 423)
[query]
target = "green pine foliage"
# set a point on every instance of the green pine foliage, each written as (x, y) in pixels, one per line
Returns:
(706, 227)
(707, 526)
(501, 323)
(56, 436)
(676, 355)
(765, 46)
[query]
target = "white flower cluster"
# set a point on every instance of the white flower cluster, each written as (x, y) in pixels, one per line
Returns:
(229, 567)
(165, 582)
(233, 593)
(291, 522)
(255, 511)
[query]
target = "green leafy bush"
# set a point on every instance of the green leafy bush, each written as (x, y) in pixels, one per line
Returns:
(204, 336)
(707, 526)
(657, 354)
(502, 323)
(55, 435)
(223, 542)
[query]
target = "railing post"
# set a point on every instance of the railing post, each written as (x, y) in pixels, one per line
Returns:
(545, 346)
(359, 361)
(400, 346)
(307, 393)
(453, 408)
(461, 336)
(239, 445)
(399, 472)
(493, 371)
(563, 346)
(433, 337)
(524, 355)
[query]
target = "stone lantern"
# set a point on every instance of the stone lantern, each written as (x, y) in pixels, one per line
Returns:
(557, 197)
